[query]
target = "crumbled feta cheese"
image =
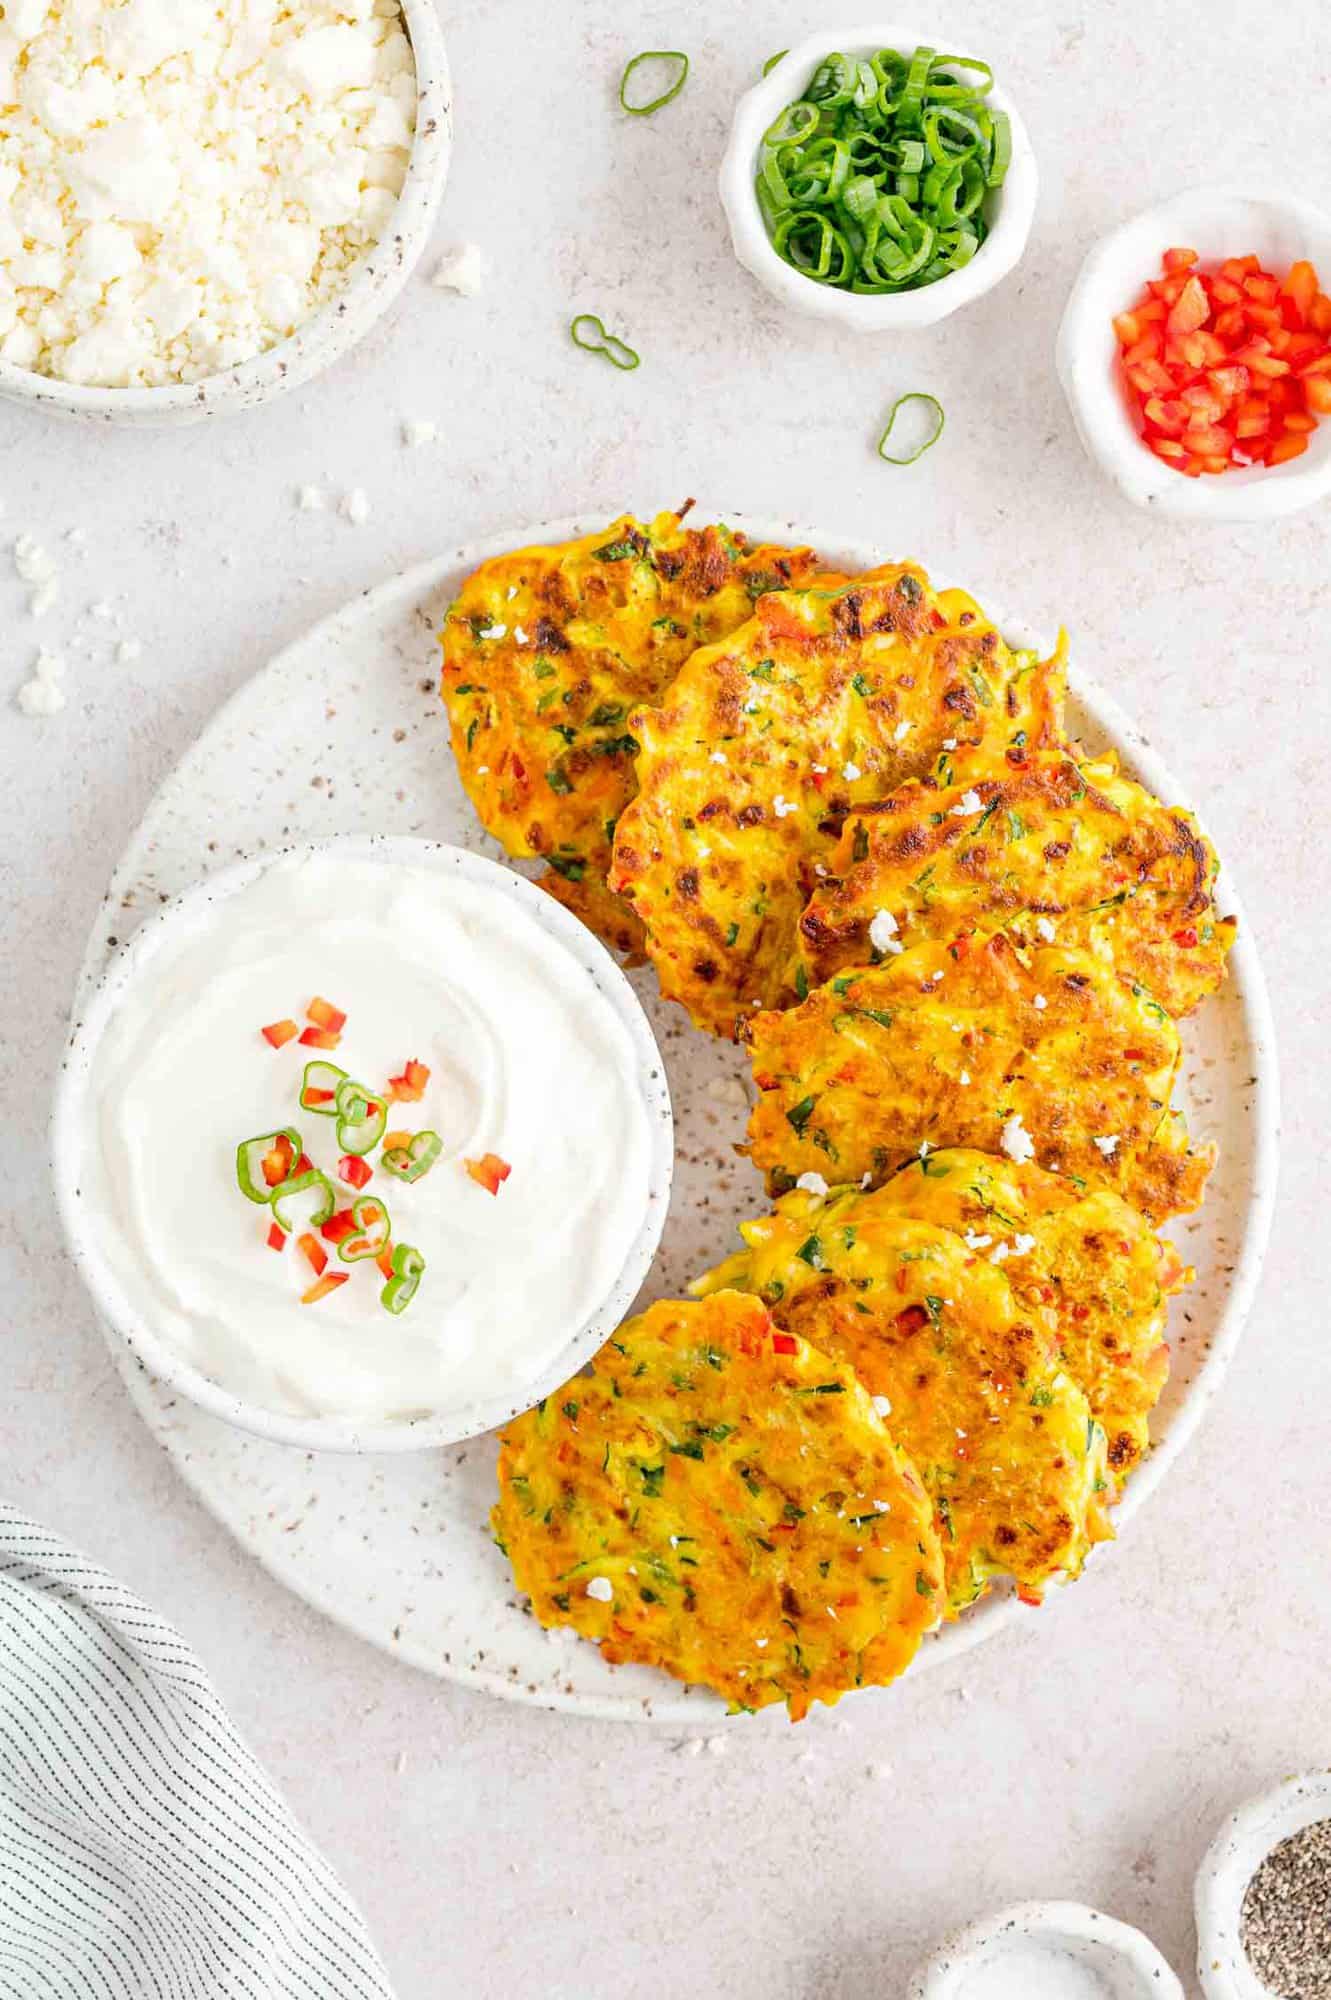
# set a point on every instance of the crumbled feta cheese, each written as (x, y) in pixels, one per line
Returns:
(492, 631)
(965, 1076)
(461, 271)
(43, 598)
(949, 742)
(32, 564)
(128, 651)
(355, 506)
(717, 757)
(1046, 929)
(882, 1506)
(783, 807)
(819, 770)
(924, 1149)
(183, 183)
(902, 731)
(1039, 1002)
(881, 1405)
(311, 499)
(419, 430)
(975, 1242)
(970, 802)
(1022, 1245)
(1017, 1142)
(812, 1184)
(601, 1588)
(717, 1746)
(850, 772)
(1108, 1144)
(883, 933)
(43, 694)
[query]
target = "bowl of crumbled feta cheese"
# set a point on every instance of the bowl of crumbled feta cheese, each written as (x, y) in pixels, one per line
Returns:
(205, 202)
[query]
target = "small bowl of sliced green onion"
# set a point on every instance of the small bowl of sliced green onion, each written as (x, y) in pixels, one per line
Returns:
(875, 179)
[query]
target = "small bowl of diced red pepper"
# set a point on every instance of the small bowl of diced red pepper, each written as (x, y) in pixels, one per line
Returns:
(1195, 354)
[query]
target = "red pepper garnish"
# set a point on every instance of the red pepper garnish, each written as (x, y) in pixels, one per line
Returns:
(319, 1038)
(315, 1251)
(393, 1141)
(490, 1171)
(1187, 937)
(313, 1097)
(911, 1320)
(323, 1286)
(276, 1163)
(409, 1088)
(337, 1226)
(325, 1016)
(277, 1239)
(354, 1171)
(385, 1261)
(279, 1032)
(1134, 1055)
(304, 1165)
(785, 1343)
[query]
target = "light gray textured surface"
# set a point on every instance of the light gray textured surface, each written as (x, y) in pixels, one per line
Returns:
(1091, 1752)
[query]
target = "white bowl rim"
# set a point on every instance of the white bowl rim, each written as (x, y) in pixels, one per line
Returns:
(941, 1976)
(329, 1433)
(996, 257)
(1102, 421)
(1240, 1846)
(339, 323)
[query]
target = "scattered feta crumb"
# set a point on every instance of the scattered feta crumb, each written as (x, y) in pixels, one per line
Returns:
(1108, 1144)
(311, 499)
(924, 1149)
(1040, 1002)
(819, 770)
(419, 430)
(812, 1184)
(1017, 1142)
(717, 757)
(902, 731)
(949, 742)
(970, 802)
(882, 1506)
(783, 807)
(355, 506)
(865, 1180)
(1046, 929)
(40, 698)
(1022, 1245)
(43, 598)
(717, 1746)
(965, 1076)
(128, 651)
(461, 271)
(601, 1589)
(819, 869)
(31, 562)
(882, 1407)
(974, 1242)
(850, 772)
(760, 1643)
(883, 933)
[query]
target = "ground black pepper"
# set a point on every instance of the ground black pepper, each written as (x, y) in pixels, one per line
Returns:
(1286, 1922)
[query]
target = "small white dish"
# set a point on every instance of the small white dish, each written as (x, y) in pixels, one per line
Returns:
(129, 1323)
(1008, 210)
(332, 331)
(1233, 1858)
(1217, 222)
(1046, 1951)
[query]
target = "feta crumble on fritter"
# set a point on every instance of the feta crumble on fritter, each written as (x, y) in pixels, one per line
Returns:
(1017, 1142)
(883, 933)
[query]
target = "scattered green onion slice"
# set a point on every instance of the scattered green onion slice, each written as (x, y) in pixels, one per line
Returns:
(930, 403)
(616, 351)
(772, 61)
(361, 1118)
(251, 1154)
(875, 179)
(408, 1270)
(414, 1160)
(371, 1234)
(323, 1200)
(650, 56)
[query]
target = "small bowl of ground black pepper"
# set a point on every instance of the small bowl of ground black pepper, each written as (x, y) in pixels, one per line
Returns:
(1264, 1898)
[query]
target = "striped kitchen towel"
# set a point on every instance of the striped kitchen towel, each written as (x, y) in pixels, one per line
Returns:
(143, 1853)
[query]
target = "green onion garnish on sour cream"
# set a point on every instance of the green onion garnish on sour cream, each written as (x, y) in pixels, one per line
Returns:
(875, 179)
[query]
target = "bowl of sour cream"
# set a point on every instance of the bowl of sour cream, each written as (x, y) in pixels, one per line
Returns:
(363, 1146)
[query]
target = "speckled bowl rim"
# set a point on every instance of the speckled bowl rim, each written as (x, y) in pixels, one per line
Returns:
(474, 1416)
(1013, 208)
(1086, 349)
(942, 1976)
(1238, 1850)
(338, 325)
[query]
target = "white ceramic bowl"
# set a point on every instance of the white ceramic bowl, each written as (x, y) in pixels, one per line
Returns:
(1009, 210)
(466, 1418)
(1217, 222)
(1231, 1861)
(1116, 1960)
(337, 326)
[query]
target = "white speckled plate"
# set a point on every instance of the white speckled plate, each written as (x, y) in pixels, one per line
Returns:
(344, 733)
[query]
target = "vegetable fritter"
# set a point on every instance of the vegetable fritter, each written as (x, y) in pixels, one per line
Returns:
(823, 701)
(1089, 1258)
(1049, 847)
(977, 1394)
(545, 652)
(718, 1499)
(946, 1044)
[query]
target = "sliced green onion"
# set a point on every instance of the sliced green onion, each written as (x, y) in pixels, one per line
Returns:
(772, 61)
(876, 178)
(667, 96)
(320, 1200)
(930, 403)
(251, 1154)
(361, 1117)
(318, 1090)
(414, 1160)
(372, 1232)
(616, 351)
(408, 1270)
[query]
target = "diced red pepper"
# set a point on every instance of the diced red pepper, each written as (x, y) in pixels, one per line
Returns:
(354, 1171)
(785, 1343)
(1317, 394)
(313, 1097)
(338, 1226)
(279, 1033)
(385, 1261)
(315, 1251)
(409, 1088)
(276, 1163)
(1179, 260)
(1187, 937)
(1190, 309)
(319, 1038)
(490, 1171)
(392, 1140)
(304, 1165)
(277, 1238)
(324, 1015)
(323, 1286)
(1289, 447)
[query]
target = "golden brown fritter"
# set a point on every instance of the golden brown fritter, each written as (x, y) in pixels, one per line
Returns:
(946, 1044)
(545, 652)
(976, 1393)
(1054, 849)
(718, 1499)
(1089, 1258)
(823, 701)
